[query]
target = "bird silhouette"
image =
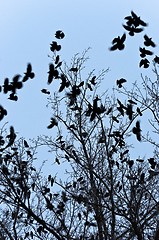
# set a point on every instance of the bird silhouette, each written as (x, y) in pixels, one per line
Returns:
(53, 73)
(144, 52)
(26, 145)
(129, 111)
(7, 86)
(73, 69)
(95, 109)
(138, 111)
(137, 131)
(148, 41)
(134, 20)
(11, 137)
(53, 122)
(156, 59)
(120, 82)
(144, 62)
(13, 97)
(92, 81)
(59, 34)
(121, 107)
(3, 112)
(28, 73)
(55, 47)
(64, 84)
(132, 30)
(15, 83)
(118, 43)
(45, 91)
(73, 94)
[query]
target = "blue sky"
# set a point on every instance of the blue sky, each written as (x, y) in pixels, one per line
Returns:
(27, 28)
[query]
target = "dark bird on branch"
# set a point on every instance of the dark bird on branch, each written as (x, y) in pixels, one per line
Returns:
(144, 52)
(148, 42)
(144, 62)
(129, 111)
(28, 73)
(92, 81)
(120, 82)
(137, 131)
(59, 34)
(118, 43)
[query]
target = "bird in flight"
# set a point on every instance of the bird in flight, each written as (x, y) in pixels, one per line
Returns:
(118, 43)
(148, 42)
(28, 73)
(144, 62)
(59, 34)
(120, 82)
(144, 52)
(137, 131)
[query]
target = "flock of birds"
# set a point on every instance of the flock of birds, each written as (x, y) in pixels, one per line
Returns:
(134, 24)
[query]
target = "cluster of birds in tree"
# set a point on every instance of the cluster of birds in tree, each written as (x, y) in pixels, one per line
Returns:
(134, 24)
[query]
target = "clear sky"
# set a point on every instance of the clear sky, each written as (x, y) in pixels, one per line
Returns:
(27, 28)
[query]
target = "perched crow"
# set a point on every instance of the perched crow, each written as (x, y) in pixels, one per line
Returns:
(121, 107)
(148, 42)
(138, 111)
(144, 62)
(137, 131)
(120, 82)
(28, 73)
(118, 43)
(26, 144)
(59, 34)
(144, 52)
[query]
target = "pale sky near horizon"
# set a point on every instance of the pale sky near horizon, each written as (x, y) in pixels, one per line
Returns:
(27, 28)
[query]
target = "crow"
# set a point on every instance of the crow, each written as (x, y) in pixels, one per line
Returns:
(59, 34)
(148, 42)
(44, 90)
(28, 73)
(64, 83)
(132, 30)
(118, 43)
(7, 86)
(129, 111)
(16, 84)
(53, 122)
(73, 69)
(137, 131)
(11, 137)
(3, 112)
(55, 47)
(144, 52)
(135, 21)
(120, 82)
(53, 73)
(13, 97)
(92, 81)
(144, 62)
(156, 59)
